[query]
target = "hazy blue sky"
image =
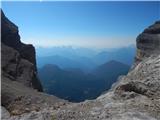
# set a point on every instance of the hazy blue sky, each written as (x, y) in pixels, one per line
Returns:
(87, 24)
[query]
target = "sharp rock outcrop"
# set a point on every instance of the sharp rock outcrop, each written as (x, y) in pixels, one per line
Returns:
(21, 88)
(148, 42)
(18, 59)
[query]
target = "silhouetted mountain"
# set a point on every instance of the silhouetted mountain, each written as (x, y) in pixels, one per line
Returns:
(66, 57)
(75, 85)
(62, 62)
(110, 71)
(72, 85)
(109, 67)
(84, 63)
(123, 55)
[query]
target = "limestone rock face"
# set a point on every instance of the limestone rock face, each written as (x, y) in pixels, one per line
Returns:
(148, 42)
(21, 89)
(18, 59)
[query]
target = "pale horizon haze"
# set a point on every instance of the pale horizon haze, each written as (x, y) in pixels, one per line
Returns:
(86, 24)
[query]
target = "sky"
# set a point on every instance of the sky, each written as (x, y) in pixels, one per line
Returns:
(95, 24)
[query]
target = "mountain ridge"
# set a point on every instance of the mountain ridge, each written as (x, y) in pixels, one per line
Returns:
(88, 63)
(85, 85)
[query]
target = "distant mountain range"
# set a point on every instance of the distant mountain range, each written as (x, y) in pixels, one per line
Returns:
(83, 63)
(83, 58)
(65, 51)
(75, 85)
(123, 55)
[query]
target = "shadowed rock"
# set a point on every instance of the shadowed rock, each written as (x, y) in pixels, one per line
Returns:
(18, 59)
(20, 85)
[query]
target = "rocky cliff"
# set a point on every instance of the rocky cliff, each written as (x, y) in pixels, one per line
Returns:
(18, 59)
(135, 96)
(19, 73)
(148, 42)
